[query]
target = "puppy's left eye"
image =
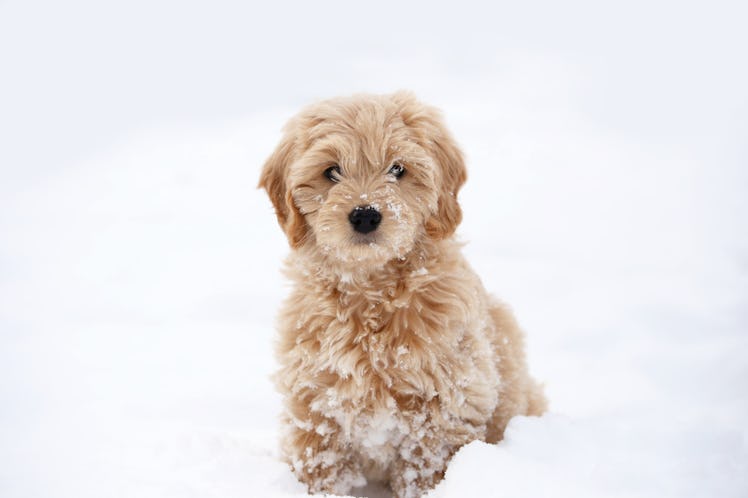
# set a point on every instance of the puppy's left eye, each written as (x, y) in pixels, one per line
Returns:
(396, 170)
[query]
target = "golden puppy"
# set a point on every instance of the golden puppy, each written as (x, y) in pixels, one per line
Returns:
(392, 354)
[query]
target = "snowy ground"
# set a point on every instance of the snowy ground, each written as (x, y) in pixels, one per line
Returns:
(139, 267)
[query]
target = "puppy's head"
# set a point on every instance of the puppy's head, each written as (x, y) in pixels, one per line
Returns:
(361, 179)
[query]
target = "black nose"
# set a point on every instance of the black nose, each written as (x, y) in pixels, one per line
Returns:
(364, 219)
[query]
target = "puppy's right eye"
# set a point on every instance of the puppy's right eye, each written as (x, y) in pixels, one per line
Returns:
(333, 173)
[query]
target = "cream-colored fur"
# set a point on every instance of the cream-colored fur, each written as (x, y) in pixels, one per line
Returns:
(392, 353)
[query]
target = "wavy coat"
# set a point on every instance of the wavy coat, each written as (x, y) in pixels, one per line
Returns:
(392, 353)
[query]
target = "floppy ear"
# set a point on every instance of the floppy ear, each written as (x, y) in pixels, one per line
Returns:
(274, 180)
(436, 139)
(449, 158)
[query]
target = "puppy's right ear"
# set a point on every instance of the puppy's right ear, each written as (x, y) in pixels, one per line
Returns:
(274, 179)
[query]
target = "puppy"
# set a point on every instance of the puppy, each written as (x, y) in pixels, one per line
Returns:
(392, 354)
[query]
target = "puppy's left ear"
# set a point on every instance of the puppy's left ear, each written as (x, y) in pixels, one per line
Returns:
(451, 163)
(273, 179)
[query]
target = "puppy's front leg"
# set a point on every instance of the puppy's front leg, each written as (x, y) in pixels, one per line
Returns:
(420, 466)
(318, 456)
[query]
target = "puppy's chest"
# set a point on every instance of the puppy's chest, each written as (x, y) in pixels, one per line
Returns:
(380, 334)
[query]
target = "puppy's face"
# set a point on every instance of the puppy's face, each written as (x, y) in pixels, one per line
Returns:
(362, 179)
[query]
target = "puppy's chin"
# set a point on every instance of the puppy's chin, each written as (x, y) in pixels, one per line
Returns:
(363, 252)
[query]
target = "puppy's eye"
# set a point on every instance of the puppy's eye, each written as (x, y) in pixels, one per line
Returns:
(333, 173)
(396, 170)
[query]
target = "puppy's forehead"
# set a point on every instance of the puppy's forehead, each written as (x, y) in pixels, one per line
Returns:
(370, 126)
(364, 119)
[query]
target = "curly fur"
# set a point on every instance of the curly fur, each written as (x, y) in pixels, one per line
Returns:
(392, 353)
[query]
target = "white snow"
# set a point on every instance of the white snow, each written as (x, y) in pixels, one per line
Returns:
(140, 268)
(605, 456)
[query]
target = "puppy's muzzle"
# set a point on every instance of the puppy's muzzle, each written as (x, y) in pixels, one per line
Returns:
(364, 219)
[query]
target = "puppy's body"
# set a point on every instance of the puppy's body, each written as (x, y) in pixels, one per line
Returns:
(392, 353)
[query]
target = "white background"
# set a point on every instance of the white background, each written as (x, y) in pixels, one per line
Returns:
(139, 267)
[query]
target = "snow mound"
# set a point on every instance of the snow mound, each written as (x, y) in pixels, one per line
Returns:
(558, 456)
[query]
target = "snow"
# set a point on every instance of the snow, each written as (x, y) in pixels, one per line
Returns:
(599, 457)
(140, 269)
